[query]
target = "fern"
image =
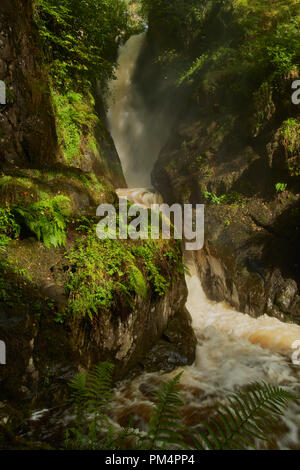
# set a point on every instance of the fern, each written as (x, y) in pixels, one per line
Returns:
(47, 220)
(164, 423)
(250, 415)
(90, 395)
(137, 281)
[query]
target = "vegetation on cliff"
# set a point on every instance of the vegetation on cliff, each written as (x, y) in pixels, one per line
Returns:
(60, 285)
(233, 45)
(81, 39)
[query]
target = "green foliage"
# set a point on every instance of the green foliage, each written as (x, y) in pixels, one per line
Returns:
(137, 281)
(93, 391)
(9, 228)
(164, 426)
(291, 135)
(251, 415)
(92, 430)
(97, 268)
(75, 122)
(232, 198)
(148, 252)
(280, 187)
(290, 138)
(181, 20)
(46, 219)
(229, 47)
(214, 198)
(195, 68)
(90, 396)
(108, 273)
(81, 38)
(15, 188)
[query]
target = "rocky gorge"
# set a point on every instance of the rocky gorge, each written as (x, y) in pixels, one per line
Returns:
(160, 100)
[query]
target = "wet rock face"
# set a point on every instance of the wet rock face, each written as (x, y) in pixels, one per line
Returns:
(107, 161)
(251, 256)
(42, 355)
(175, 348)
(254, 269)
(28, 136)
(230, 154)
(157, 334)
(43, 352)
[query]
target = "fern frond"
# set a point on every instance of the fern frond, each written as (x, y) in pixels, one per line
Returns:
(47, 219)
(99, 386)
(164, 423)
(91, 394)
(250, 415)
(78, 386)
(95, 389)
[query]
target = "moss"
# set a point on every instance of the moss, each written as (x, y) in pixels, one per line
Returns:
(263, 106)
(17, 188)
(27, 187)
(75, 121)
(231, 198)
(100, 277)
(92, 143)
(290, 135)
(106, 275)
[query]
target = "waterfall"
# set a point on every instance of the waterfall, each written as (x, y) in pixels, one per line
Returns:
(233, 348)
(138, 133)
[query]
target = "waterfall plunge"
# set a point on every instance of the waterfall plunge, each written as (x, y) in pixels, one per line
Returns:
(138, 133)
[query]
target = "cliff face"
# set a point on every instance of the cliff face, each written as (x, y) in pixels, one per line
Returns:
(251, 255)
(234, 147)
(28, 136)
(48, 158)
(30, 132)
(42, 355)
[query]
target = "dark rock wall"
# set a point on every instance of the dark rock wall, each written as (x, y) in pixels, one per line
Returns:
(251, 256)
(236, 150)
(28, 136)
(42, 356)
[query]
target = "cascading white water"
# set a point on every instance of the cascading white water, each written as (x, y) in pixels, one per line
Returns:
(138, 134)
(126, 125)
(233, 348)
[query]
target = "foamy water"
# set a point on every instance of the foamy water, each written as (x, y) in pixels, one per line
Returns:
(140, 196)
(138, 133)
(264, 330)
(233, 350)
